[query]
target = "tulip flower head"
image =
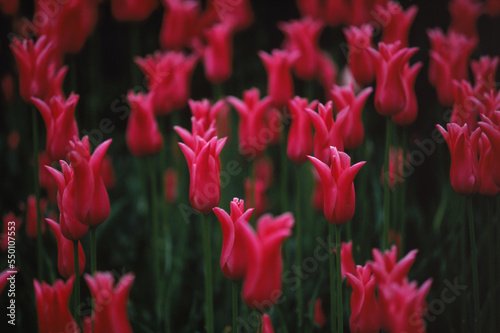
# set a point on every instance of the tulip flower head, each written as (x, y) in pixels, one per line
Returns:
(267, 325)
(319, 314)
(486, 158)
(300, 135)
(347, 260)
(399, 23)
(132, 10)
(467, 106)
(170, 185)
(238, 14)
(492, 130)
(179, 23)
(5, 275)
(65, 258)
(358, 57)
(218, 53)
(464, 15)
(410, 111)
(484, 71)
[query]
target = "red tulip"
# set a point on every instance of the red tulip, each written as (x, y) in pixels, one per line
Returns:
(65, 258)
(275, 126)
(347, 261)
(9, 7)
(238, 14)
(204, 169)
(353, 132)
(4, 277)
(486, 158)
(255, 195)
(302, 36)
(338, 187)
(336, 12)
(132, 10)
(363, 11)
(264, 171)
(59, 117)
(263, 278)
(107, 172)
(467, 107)
(168, 75)
(328, 131)
(410, 112)
(110, 302)
(389, 63)
(399, 24)
(170, 185)
(218, 53)
(31, 223)
(233, 260)
(492, 131)
(143, 135)
(364, 307)
(9, 229)
(319, 315)
(386, 267)
(252, 132)
(205, 113)
(396, 170)
(179, 23)
(464, 15)
(279, 78)
(492, 8)
(464, 171)
(449, 58)
(484, 71)
(91, 197)
(300, 134)
(359, 60)
(310, 8)
(267, 325)
(52, 306)
(7, 84)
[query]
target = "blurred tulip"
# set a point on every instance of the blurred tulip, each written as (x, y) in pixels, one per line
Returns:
(300, 135)
(363, 11)
(389, 64)
(464, 15)
(252, 110)
(31, 223)
(310, 8)
(233, 260)
(492, 8)
(410, 112)
(387, 269)
(205, 112)
(338, 186)
(466, 107)
(132, 10)
(170, 185)
(179, 23)
(488, 186)
(336, 12)
(279, 78)
(347, 261)
(52, 306)
(267, 325)
(464, 171)
(492, 131)
(364, 307)
(358, 58)
(255, 195)
(396, 168)
(302, 36)
(7, 85)
(264, 170)
(484, 71)
(218, 53)
(263, 278)
(110, 302)
(11, 224)
(59, 117)
(4, 277)
(319, 315)
(13, 140)
(353, 131)
(107, 172)
(9, 7)
(238, 14)
(275, 126)
(65, 258)
(143, 135)
(399, 23)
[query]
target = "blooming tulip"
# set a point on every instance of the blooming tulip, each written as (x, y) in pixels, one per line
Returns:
(386, 267)
(65, 258)
(338, 187)
(143, 135)
(279, 78)
(464, 15)
(59, 117)
(206, 112)
(484, 71)
(337, 12)
(91, 197)
(466, 107)
(492, 131)
(364, 306)
(233, 260)
(486, 157)
(218, 53)
(300, 134)
(347, 261)
(399, 24)
(358, 58)
(310, 8)
(410, 111)
(464, 171)
(353, 132)
(110, 311)
(238, 14)
(52, 306)
(132, 10)
(179, 23)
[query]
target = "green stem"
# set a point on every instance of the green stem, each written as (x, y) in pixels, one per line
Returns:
(402, 202)
(93, 259)
(154, 218)
(298, 245)
(331, 229)
(463, 232)
(76, 290)
(284, 177)
(207, 253)
(39, 244)
(340, 308)
(473, 253)
(387, 193)
(235, 305)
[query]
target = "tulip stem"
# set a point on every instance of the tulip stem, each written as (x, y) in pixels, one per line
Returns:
(473, 253)
(235, 305)
(207, 253)
(332, 278)
(340, 308)
(39, 244)
(298, 247)
(76, 290)
(284, 176)
(154, 217)
(491, 258)
(387, 193)
(93, 260)
(402, 202)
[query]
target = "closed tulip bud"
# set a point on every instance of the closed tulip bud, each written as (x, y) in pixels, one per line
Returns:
(486, 158)
(492, 131)
(337, 12)
(218, 53)
(319, 315)
(263, 278)
(108, 173)
(300, 135)
(484, 71)
(467, 107)
(65, 258)
(464, 15)
(170, 185)
(143, 135)
(389, 63)
(399, 24)
(353, 132)
(338, 186)
(396, 166)
(132, 10)
(179, 23)
(302, 36)
(91, 197)
(359, 60)
(59, 117)
(310, 8)
(253, 134)
(410, 112)
(52, 306)
(31, 222)
(233, 261)
(464, 171)
(279, 79)
(267, 325)
(110, 302)
(7, 218)
(364, 307)
(347, 264)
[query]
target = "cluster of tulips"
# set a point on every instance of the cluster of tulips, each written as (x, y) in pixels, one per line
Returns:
(317, 137)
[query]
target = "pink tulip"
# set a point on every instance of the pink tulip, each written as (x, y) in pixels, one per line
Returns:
(410, 112)
(364, 307)
(300, 134)
(359, 60)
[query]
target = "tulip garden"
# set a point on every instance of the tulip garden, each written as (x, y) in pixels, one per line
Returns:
(250, 166)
